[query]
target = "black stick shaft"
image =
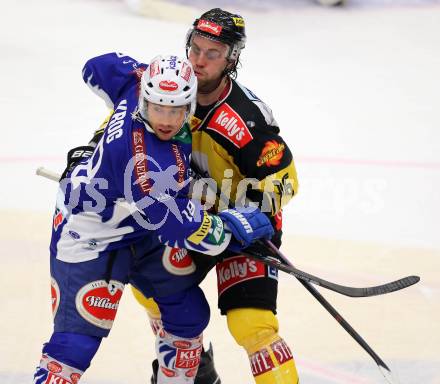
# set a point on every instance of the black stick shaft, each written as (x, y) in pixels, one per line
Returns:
(330, 309)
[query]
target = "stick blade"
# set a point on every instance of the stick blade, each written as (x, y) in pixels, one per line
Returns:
(393, 286)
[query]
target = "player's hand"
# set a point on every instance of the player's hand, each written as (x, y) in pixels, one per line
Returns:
(75, 156)
(246, 226)
(78, 154)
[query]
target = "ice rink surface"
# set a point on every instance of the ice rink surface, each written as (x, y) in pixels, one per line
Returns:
(356, 92)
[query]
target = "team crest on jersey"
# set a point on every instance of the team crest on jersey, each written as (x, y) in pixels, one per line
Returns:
(55, 295)
(237, 269)
(271, 154)
(98, 302)
(228, 123)
(178, 261)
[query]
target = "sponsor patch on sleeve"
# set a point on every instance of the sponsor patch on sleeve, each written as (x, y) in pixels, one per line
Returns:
(271, 154)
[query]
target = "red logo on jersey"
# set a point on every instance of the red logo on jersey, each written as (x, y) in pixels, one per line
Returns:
(281, 351)
(185, 72)
(167, 85)
(210, 27)
(188, 358)
(261, 362)
(55, 295)
(178, 261)
(58, 218)
(229, 124)
(236, 269)
(98, 302)
(140, 163)
(271, 154)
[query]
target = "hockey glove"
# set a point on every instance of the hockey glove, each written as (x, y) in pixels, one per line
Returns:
(246, 227)
(78, 154)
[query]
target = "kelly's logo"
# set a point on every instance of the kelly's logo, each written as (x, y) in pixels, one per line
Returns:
(229, 124)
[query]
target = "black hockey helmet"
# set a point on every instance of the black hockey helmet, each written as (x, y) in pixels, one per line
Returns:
(219, 25)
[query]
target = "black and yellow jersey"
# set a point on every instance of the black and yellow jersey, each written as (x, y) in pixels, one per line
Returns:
(236, 142)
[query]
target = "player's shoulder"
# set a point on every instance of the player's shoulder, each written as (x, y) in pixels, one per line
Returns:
(240, 118)
(249, 106)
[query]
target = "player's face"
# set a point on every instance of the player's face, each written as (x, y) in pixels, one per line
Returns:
(208, 58)
(165, 120)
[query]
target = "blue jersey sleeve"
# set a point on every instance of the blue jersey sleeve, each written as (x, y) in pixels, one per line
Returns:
(110, 75)
(157, 182)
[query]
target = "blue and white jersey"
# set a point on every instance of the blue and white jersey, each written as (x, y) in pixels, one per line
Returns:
(134, 184)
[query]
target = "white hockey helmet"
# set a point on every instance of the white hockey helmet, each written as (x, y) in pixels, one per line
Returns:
(168, 80)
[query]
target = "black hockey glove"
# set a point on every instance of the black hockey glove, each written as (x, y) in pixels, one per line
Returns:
(78, 154)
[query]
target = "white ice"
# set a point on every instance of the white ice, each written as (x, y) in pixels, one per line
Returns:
(356, 92)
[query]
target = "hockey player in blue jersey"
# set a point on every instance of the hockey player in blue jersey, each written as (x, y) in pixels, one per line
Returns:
(123, 216)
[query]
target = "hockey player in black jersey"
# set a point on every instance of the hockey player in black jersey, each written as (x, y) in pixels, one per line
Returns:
(236, 142)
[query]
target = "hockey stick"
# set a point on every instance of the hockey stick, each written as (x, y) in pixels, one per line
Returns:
(280, 262)
(383, 368)
(41, 171)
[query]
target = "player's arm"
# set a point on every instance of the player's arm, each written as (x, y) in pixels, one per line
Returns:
(182, 222)
(268, 159)
(109, 75)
